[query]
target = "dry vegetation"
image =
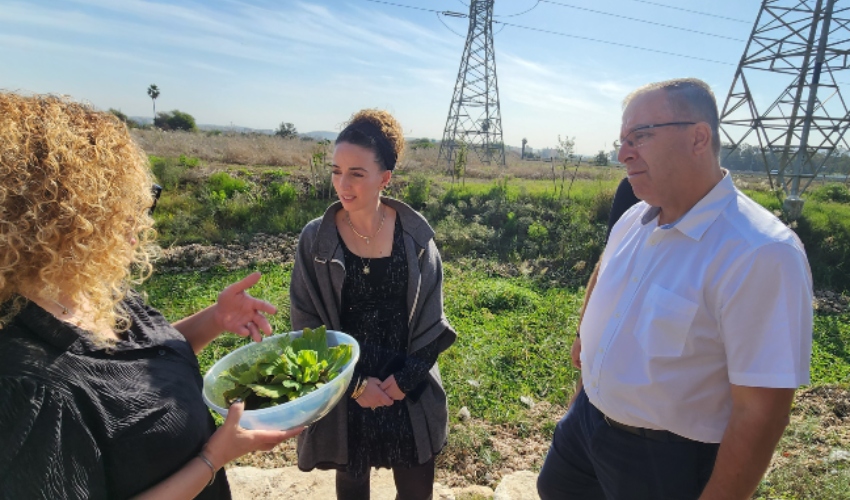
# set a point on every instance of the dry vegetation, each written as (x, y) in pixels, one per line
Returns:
(266, 150)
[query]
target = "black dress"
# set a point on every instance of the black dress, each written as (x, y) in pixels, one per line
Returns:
(80, 421)
(374, 312)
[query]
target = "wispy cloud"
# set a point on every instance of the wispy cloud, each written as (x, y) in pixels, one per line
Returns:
(24, 43)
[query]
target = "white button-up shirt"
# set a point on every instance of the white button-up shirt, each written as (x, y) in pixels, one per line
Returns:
(679, 312)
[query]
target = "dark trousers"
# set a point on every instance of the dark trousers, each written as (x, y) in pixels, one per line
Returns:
(413, 483)
(590, 460)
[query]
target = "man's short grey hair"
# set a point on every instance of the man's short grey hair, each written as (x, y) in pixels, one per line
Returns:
(691, 99)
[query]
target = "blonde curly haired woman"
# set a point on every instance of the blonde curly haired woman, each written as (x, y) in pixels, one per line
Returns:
(370, 268)
(100, 394)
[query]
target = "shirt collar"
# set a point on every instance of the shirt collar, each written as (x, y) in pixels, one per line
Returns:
(699, 218)
(59, 334)
(68, 337)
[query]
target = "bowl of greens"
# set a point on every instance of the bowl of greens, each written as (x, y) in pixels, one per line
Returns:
(286, 381)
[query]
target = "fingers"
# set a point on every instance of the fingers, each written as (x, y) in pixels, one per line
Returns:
(234, 413)
(256, 336)
(263, 306)
(386, 384)
(274, 437)
(384, 399)
(262, 323)
(242, 285)
(575, 353)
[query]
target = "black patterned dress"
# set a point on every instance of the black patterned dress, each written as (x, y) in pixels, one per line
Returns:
(374, 311)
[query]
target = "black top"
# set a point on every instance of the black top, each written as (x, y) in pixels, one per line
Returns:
(374, 312)
(624, 198)
(80, 421)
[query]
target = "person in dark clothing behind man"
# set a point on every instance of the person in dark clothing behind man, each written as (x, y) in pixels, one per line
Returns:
(624, 199)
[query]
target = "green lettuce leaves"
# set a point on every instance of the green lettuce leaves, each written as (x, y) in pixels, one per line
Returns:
(298, 367)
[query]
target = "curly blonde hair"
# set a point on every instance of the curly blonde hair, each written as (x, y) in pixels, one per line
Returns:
(75, 191)
(377, 130)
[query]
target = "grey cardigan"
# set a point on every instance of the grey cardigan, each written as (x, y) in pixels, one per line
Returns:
(315, 299)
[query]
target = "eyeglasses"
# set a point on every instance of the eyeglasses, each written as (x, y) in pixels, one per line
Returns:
(637, 137)
(156, 190)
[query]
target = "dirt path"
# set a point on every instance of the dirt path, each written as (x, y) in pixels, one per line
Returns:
(285, 483)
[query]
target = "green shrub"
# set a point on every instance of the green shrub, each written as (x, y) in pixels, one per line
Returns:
(225, 183)
(282, 194)
(418, 191)
(457, 237)
(503, 296)
(837, 193)
(538, 232)
(189, 161)
(167, 171)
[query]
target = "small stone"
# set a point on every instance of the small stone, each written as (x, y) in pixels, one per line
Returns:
(474, 383)
(464, 414)
(527, 401)
(519, 485)
(475, 491)
(839, 456)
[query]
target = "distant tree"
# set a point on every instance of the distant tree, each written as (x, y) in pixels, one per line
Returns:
(286, 130)
(422, 143)
(175, 120)
(565, 149)
(601, 158)
(524, 142)
(153, 92)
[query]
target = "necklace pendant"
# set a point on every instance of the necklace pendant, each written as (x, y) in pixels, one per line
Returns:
(367, 240)
(366, 269)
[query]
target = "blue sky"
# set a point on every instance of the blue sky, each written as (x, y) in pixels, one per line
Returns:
(313, 63)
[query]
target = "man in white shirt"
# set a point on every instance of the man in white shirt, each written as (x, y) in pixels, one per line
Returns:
(698, 329)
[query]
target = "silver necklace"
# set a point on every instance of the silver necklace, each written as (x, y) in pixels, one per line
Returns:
(367, 238)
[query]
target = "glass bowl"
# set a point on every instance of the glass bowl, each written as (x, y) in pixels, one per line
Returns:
(296, 413)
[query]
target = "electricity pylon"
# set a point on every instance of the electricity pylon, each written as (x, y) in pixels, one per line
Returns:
(799, 48)
(475, 118)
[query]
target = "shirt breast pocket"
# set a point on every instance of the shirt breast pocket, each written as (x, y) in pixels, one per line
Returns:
(664, 322)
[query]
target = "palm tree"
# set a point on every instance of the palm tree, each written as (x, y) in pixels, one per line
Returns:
(153, 92)
(524, 142)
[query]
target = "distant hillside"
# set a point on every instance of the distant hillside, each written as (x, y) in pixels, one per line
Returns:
(146, 120)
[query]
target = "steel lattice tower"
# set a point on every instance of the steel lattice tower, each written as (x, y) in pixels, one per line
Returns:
(799, 47)
(475, 118)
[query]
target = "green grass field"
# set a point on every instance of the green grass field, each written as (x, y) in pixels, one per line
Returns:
(513, 341)
(514, 332)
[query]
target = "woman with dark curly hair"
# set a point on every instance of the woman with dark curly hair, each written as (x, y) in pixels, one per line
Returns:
(101, 396)
(369, 267)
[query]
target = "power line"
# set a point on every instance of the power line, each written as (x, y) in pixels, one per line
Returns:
(521, 13)
(613, 43)
(558, 33)
(642, 20)
(405, 6)
(447, 26)
(693, 11)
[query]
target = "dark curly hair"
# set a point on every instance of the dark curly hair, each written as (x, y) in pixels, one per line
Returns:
(378, 131)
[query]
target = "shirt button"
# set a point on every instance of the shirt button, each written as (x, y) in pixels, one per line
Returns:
(161, 352)
(634, 279)
(617, 315)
